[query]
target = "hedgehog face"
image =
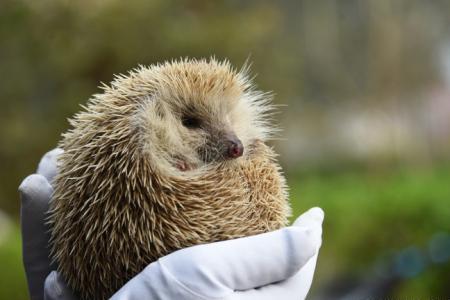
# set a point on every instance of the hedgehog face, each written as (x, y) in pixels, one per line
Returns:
(200, 114)
(197, 133)
(210, 132)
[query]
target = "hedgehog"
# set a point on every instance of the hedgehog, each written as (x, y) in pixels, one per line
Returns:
(166, 157)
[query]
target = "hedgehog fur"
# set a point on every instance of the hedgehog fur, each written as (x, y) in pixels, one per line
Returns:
(135, 183)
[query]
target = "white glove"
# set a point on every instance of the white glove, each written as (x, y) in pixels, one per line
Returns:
(276, 265)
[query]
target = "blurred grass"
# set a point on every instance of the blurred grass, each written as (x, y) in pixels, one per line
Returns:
(407, 205)
(12, 277)
(371, 214)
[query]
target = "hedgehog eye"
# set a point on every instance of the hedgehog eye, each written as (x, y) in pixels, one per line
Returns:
(191, 122)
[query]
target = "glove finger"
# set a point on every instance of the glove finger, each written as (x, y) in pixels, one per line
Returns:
(297, 286)
(56, 288)
(294, 288)
(35, 192)
(312, 218)
(244, 263)
(47, 166)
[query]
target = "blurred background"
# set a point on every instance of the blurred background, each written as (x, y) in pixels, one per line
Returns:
(365, 89)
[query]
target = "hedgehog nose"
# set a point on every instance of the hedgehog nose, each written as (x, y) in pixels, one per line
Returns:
(235, 148)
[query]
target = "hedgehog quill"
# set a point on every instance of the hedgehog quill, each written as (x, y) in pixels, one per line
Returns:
(168, 156)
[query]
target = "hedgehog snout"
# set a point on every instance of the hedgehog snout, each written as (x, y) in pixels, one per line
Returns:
(234, 147)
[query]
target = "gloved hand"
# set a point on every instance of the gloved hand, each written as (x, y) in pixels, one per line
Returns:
(274, 265)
